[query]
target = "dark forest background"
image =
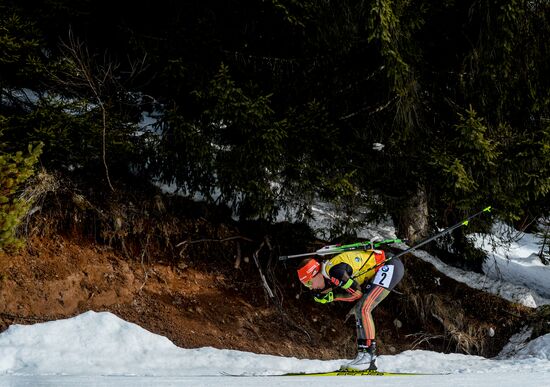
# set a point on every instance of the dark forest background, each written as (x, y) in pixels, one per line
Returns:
(269, 106)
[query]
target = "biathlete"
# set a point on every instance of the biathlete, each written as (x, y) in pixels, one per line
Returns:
(362, 276)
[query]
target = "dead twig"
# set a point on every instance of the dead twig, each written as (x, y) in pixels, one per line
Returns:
(145, 271)
(422, 337)
(278, 294)
(213, 240)
(238, 257)
(268, 290)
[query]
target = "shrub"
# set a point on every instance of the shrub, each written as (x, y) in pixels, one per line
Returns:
(15, 170)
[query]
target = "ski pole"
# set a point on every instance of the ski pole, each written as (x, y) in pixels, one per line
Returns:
(336, 249)
(444, 232)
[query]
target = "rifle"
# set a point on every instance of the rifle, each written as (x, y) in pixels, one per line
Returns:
(337, 249)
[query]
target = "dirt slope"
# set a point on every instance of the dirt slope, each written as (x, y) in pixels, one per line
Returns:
(195, 307)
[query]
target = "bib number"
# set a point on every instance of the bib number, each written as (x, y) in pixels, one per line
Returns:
(384, 276)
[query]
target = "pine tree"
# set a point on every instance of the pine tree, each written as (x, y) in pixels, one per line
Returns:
(15, 170)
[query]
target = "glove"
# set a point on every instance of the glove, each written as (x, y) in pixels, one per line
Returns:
(329, 297)
(349, 283)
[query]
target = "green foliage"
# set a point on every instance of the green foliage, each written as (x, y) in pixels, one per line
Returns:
(506, 78)
(72, 133)
(15, 170)
(74, 103)
(20, 56)
(524, 180)
(273, 105)
(384, 23)
(289, 16)
(236, 146)
(509, 57)
(465, 162)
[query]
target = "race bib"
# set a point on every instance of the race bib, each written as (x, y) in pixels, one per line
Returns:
(383, 277)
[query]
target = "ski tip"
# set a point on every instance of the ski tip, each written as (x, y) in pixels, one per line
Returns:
(487, 209)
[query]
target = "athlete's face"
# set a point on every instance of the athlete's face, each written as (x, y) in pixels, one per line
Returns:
(318, 282)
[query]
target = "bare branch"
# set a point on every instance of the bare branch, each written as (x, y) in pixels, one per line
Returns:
(264, 281)
(78, 54)
(213, 240)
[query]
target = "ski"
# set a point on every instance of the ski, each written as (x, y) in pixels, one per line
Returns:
(334, 373)
(354, 373)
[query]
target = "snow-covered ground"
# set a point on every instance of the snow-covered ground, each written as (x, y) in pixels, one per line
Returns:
(511, 290)
(100, 349)
(516, 262)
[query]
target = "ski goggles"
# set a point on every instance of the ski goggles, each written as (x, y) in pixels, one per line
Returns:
(308, 271)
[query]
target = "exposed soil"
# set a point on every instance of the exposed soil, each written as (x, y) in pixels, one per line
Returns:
(194, 308)
(197, 304)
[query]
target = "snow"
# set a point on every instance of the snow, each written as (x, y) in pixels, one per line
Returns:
(508, 290)
(516, 262)
(512, 271)
(100, 349)
(325, 215)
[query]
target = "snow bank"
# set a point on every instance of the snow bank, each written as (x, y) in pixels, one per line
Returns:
(516, 262)
(507, 290)
(103, 344)
(538, 348)
(89, 343)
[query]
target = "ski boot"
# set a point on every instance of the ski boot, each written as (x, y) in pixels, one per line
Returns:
(366, 357)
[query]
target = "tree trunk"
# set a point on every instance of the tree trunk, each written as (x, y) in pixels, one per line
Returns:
(411, 218)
